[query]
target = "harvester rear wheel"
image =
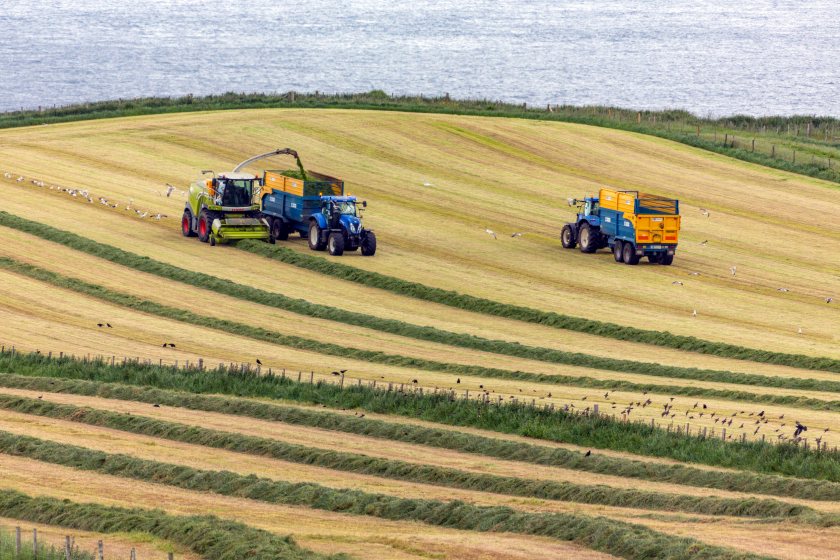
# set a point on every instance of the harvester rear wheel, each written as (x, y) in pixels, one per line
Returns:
(617, 251)
(369, 244)
(567, 237)
(588, 238)
(315, 242)
(667, 260)
(186, 224)
(204, 226)
(335, 244)
(628, 253)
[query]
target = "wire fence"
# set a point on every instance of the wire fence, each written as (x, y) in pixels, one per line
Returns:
(16, 547)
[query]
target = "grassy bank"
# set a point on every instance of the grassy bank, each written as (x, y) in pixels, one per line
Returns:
(208, 536)
(8, 550)
(441, 438)
(779, 138)
(606, 535)
(597, 432)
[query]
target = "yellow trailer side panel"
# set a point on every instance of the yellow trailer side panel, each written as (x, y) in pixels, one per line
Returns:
(608, 198)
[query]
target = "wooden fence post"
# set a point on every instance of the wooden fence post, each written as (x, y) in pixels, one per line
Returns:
(341, 383)
(17, 541)
(101, 550)
(133, 555)
(170, 556)
(67, 547)
(595, 410)
(35, 543)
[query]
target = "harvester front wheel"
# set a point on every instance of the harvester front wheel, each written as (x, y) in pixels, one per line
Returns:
(567, 237)
(186, 224)
(315, 242)
(369, 244)
(335, 244)
(588, 238)
(204, 226)
(629, 255)
(617, 251)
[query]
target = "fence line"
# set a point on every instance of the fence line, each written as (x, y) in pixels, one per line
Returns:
(341, 380)
(69, 549)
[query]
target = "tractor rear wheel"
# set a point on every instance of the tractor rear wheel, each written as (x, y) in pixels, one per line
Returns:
(628, 254)
(567, 237)
(667, 260)
(588, 238)
(368, 244)
(186, 224)
(204, 226)
(315, 242)
(617, 251)
(335, 244)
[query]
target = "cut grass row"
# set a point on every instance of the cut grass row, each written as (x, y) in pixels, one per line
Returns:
(606, 535)
(208, 536)
(330, 349)
(431, 334)
(392, 469)
(755, 483)
(599, 431)
(551, 319)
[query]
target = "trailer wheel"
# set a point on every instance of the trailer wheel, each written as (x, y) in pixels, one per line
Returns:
(617, 251)
(186, 224)
(666, 260)
(369, 244)
(588, 238)
(335, 244)
(628, 253)
(315, 242)
(204, 226)
(279, 229)
(567, 237)
(655, 258)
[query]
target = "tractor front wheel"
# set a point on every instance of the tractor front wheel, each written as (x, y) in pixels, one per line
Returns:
(204, 226)
(628, 253)
(588, 238)
(315, 242)
(186, 224)
(368, 244)
(567, 237)
(335, 244)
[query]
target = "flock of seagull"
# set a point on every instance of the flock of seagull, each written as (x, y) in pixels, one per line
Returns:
(84, 194)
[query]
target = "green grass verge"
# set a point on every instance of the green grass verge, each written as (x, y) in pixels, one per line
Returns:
(597, 432)
(390, 468)
(344, 352)
(8, 550)
(607, 117)
(431, 334)
(748, 482)
(207, 536)
(598, 533)
(559, 321)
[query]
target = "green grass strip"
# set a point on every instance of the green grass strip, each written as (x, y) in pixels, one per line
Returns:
(598, 533)
(394, 469)
(400, 328)
(748, 482)
(207, 536)
(597, 432)
(559, 321)
(344, 352)
(380, 101)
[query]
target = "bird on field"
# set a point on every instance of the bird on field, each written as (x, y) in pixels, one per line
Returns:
(756, 430)
(7, 175)
(677, 283)
(40, 396)
(782, 290)
(335, 373)
(128, 206)
(156, 405)
(782, 417)
(172, 345)
(414, 381)
(761, 413)
(607, 394)
(158, 216)
(733, 270)
(481, 386)
(741, 426)
(109, 325)
(20, 179)
(259, 362)
(588, 453)
(100, 325)
(458, 380)
(704, 212)
(143, 215)
(427, 184)
(583, 399)
(490, 232)
(799, 330)
(694, 313)
(705, 241)
(694, 274)
(169, 189)
(828, 300)
(549, 395)
(517, 234)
